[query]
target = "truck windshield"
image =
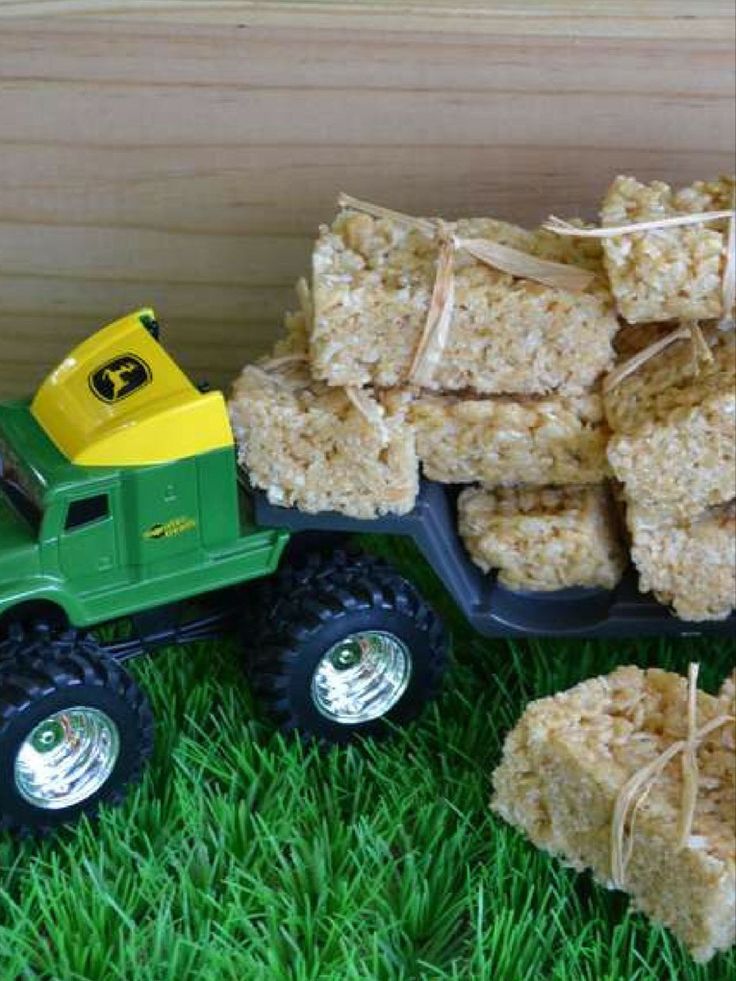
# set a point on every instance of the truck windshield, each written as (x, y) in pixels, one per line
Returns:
(17, 490)
(22, 503)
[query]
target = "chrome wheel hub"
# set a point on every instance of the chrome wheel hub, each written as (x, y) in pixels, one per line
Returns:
(361, 677)
(66, 758)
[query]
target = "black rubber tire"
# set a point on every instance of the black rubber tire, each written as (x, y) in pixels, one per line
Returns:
(43, 675)
(312, 610)
(263, 599)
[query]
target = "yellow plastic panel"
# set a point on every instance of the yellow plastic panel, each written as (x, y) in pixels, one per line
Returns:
(120, 400)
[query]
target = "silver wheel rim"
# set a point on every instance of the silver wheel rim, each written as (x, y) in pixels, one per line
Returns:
(361, 677)
(66, 758)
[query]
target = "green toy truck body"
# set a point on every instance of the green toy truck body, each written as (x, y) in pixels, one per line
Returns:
(98, 543)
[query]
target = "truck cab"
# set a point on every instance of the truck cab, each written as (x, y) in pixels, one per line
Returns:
(120, 497)
(119, 486)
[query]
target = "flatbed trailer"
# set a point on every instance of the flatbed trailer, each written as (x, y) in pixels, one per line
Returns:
(488, 606)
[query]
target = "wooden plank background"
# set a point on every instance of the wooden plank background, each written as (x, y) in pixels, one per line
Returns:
(182, 154)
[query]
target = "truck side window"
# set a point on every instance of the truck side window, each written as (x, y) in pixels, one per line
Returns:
(86, 511)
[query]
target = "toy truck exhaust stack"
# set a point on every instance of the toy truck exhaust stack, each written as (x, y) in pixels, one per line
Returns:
(121, 500)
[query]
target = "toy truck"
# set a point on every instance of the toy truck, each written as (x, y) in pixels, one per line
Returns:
(122, 506)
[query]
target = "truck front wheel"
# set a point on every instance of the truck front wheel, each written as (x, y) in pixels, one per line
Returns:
(75, 730)
(349, 652)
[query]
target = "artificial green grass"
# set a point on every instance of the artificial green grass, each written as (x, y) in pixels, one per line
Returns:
(244, 855)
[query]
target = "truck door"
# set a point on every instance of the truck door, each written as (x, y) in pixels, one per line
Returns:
(165, 507)
(88, 548)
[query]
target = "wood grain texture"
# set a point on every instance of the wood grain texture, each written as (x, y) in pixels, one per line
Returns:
(657, 19)
(187, 165)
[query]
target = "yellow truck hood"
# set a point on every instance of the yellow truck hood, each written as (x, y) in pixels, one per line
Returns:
(120, 400)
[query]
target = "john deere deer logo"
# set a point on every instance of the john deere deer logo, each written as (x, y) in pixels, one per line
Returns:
(119, 378)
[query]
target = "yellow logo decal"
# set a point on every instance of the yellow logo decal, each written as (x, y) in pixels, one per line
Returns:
(119, 378)
(168, 529)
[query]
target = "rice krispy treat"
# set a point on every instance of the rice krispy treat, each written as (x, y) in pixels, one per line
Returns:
(543, 538)
(673, 425)
(500, 441)
(688, 563)
(667, 273)
(373, 280)
(311, 447)
(569, 756)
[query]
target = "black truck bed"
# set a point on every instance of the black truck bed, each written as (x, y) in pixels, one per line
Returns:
(489, 607)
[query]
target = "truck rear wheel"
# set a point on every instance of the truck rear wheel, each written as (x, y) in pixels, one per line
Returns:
(75, 731)
(349, 651)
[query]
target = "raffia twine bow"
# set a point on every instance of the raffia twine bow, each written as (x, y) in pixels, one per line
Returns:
(687, 331)
(435, 333)
(637, 788)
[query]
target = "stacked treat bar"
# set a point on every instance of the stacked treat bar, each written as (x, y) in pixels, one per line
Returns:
(673, 418)
(511, 401)
(672, 447)
(373, 281)
(321, 447)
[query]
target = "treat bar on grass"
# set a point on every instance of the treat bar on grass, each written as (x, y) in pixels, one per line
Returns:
(566, 762)
(674, 427)
(688, 563)
(323, 449)
(500, 441)
(543, 538)
(671, 272)
(373, 282)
